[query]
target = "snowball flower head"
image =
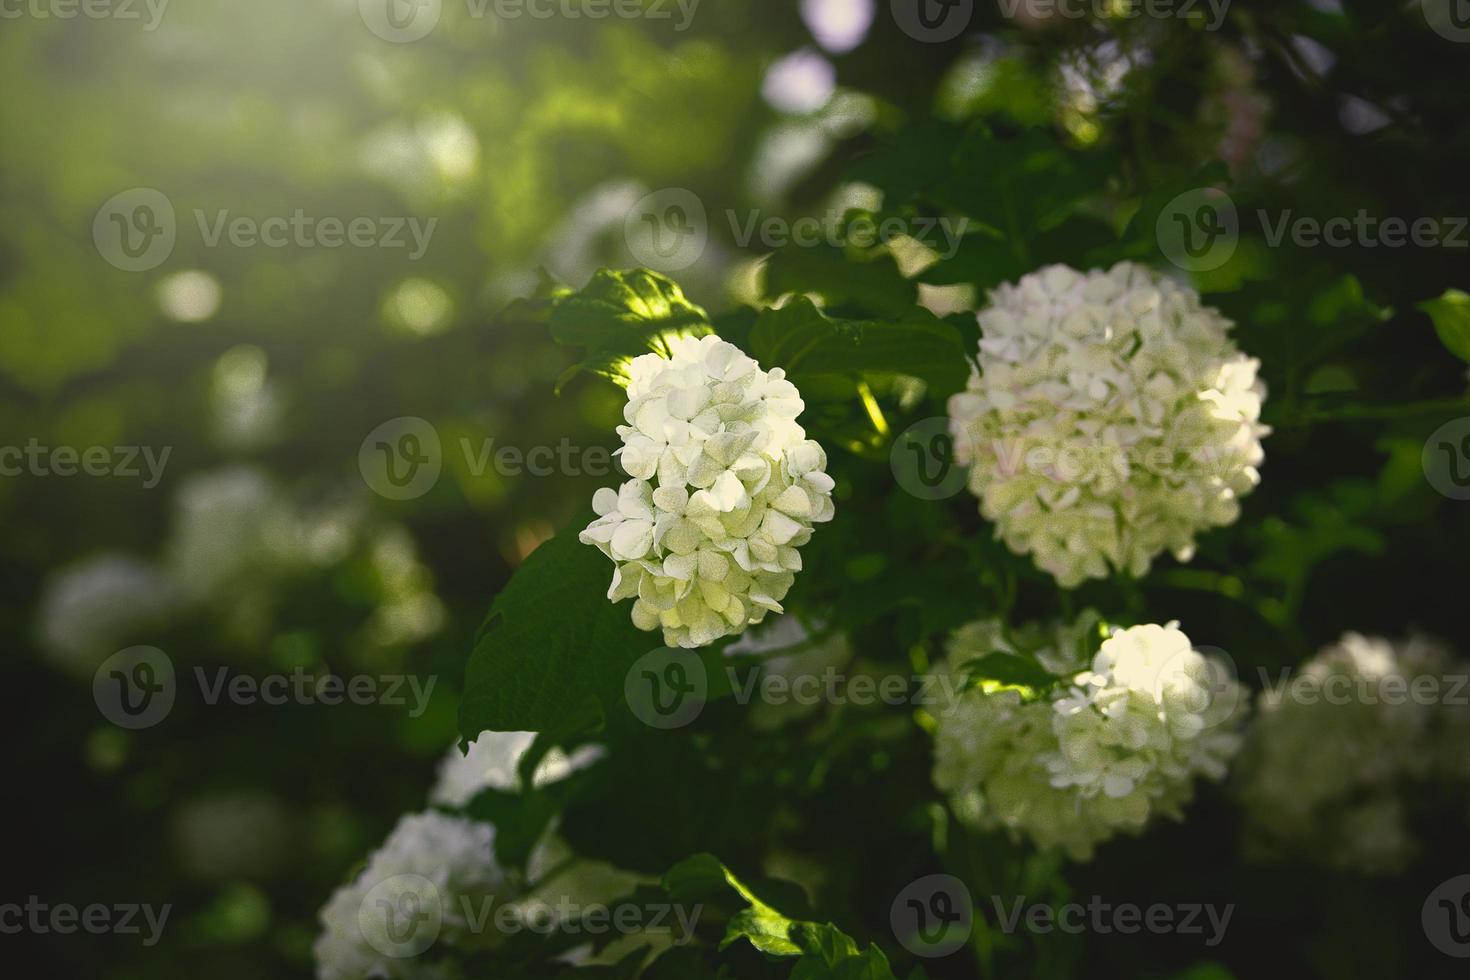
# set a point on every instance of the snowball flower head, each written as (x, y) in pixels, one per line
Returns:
(411, 896)
(1112, 417)
(725, 489)
(1339, 754)
(1104, 750)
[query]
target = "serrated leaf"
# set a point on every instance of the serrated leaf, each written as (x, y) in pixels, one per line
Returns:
(703, 875)
(826, 952)
(831, 955)
(619, 315)
(1451, 316)
(618, 308)
(553, 651)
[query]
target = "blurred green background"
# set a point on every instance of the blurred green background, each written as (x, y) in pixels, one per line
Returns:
(528, 141)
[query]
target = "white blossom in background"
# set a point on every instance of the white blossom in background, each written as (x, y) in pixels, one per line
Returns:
(725, 490)
(492, 763)
(838, 25)
(1112, 418)
(1104, 752)
(438, 869)
(93, 608)
(410, 901)
(1339, 754)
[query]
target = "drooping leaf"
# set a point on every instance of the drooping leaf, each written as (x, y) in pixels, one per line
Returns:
(620, 315)
(553, 651)
(824, 951)
(801, 339)
(1451, 316)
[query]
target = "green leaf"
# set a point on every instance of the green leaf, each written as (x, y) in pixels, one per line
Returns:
(554, 651)
(1001, 671)
(620, 315)
(520, 821)
(1451, 316)
(825, 952)
(803, 341)
(983, 259)
(831, 955)
(703, 876)
(871, 284)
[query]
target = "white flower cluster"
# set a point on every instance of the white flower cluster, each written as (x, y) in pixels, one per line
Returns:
(1338, 756)
(725, 489)
(428, 889)
(1103, 752)
(411, 895)
(492, 763)
(1112, 417)
(92, 608)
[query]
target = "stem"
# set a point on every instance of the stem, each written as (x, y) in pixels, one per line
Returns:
(1378, 412)
(875, 414)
